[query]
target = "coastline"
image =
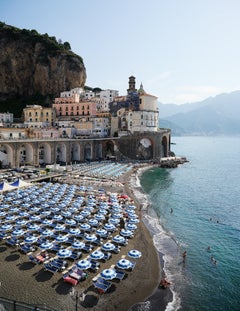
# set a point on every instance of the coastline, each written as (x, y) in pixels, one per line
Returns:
(37, 287)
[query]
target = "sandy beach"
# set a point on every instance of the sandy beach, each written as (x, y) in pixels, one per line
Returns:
(26, 282)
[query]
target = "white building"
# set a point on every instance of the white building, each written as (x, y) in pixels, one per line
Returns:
(6, 119)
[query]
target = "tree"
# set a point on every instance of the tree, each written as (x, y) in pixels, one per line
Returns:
(67, 46)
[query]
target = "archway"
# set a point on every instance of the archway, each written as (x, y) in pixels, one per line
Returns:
(44, 153)
(60, 153)
(87, 152)
(98, 151)
(25, 154)
(164, 149)
(6, 156)
(75, 152)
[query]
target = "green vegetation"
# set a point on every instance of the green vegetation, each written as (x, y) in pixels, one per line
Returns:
(51, 43)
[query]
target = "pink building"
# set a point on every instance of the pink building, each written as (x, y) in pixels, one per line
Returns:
(74, 106)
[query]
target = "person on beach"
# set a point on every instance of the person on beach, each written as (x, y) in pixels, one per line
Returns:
(164, 283)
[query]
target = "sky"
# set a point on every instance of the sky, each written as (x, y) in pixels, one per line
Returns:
(182, 51)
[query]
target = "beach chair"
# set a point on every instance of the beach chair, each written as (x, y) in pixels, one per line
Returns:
(12, 242)
(27, 248)
(75, 255)
(120, 275)
(70, 280)
(100, 287)
(106, 257)
(50, 268)
(103, 281)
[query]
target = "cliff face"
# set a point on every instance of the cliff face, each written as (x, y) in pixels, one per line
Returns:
(31, 64)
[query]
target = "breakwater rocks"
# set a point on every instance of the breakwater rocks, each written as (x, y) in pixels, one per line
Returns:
(172, 162)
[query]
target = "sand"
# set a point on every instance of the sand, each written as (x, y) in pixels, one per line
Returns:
(26, 282)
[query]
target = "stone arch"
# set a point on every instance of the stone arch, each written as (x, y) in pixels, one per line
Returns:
(60, 153)
(87, 152)
(109, 149)
(98, 151)
(26, 154)
(6, 156)
(75, 152)
(164, 149)
(44, 153)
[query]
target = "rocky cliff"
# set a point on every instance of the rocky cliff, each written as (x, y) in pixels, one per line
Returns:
(32, 64)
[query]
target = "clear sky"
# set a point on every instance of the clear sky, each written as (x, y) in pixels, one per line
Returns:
(181, 50)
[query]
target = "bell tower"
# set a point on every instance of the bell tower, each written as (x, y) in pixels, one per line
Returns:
(131, 85)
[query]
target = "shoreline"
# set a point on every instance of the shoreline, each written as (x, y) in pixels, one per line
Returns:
(141, 286)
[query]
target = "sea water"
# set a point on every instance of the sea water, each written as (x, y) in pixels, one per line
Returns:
(196, 208)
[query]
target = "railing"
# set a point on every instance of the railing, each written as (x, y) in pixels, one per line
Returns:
(12, 305)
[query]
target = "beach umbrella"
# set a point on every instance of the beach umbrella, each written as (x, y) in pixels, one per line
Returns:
(124, 264)
(13, 210)
(66, 213)
(102, 211)
(21, 222)
(23, 214)
(77, 245)
(90, 237)
(33, 227)
(47, 221)
(131, 226)
(46, 245)
(47, 232)
(35, 218)
(99, 217)
(84, 264)
(109, 227)
(93, 222)
(114, 221)
(64, 253)
(131, 206)
(59, 227)
(45, 213)
(101, 232)
(18, 232)
(134, 253)
(118, 239)
(133, 221)
(2, 213)
(74, 231)
(85, 213)
(127, 233)
(108, 246)
(10, 217)
(108, 274)
(78, 217)
(34, 209)
(85, 227)
(96, 255)
(31, 239)
(61, 238)
(70, 222)
(57, 217)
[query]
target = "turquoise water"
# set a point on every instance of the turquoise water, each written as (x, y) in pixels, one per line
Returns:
(204, 196)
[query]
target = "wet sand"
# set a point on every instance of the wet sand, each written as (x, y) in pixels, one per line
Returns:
(23, 281)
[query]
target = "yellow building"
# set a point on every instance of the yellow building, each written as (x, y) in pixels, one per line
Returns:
(38, 116)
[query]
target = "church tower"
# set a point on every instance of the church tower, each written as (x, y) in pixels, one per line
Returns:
(131, 85)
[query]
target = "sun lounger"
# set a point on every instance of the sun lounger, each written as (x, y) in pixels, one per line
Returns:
(75, 255)
(27, 248)
(101, 280)
(102, 288)
(59, 264)
(70, 280)
(120, 275)
(12, 242)
(50, 268)
(106, 257)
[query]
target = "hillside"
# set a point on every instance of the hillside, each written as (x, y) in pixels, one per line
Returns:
(35, 66)
(218, 115)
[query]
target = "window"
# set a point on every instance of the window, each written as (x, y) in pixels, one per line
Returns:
(36, 113)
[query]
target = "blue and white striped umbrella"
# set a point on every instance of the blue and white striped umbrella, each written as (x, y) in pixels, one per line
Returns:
(18, 232)
(85, 226)
(61, 238)
(30, 239)
(109, 227)
(90, 237)
(23, 214)
(35, 217)
(100, 217)
(59, 227)
(134, 253)
(33, 227)
(47, 221)
(45, 213)
(64, 253)
(84, 264)
(101, 232)
(66, 213)
(114, 221)
(2, 213)
(96, 255)
(46, 245)
(125, 232)
(108, 274)
(47, 232)
(74, 231)
(85, 213)
(124, 264)
(131, 206)
(108, 246)
(57, 217)
(133, 220)
(78, 217)
(131, 226)
(118, 239)
(11, 217)
(93, 222)
(21, 222)
(78, 245)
